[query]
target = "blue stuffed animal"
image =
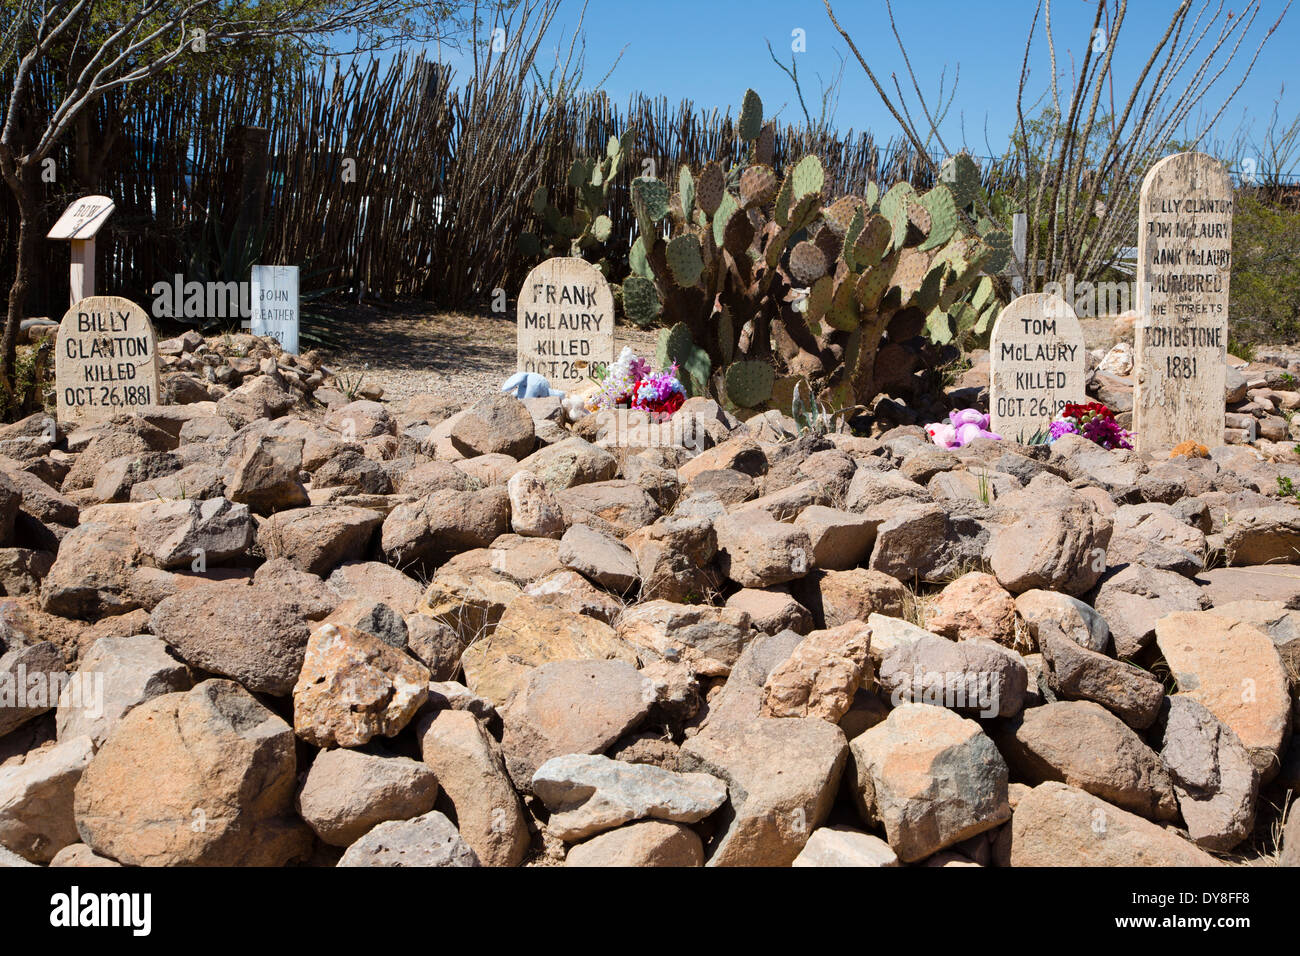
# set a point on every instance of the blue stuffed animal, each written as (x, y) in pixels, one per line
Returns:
(530, 385)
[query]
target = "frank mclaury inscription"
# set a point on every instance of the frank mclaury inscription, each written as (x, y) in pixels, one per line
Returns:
(566, 321)
(105, 360)
(1036, 365)
(1184, 261)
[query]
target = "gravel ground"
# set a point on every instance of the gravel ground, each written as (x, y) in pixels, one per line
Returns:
(410, 351)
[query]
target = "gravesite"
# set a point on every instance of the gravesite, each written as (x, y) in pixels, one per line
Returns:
(437, 435)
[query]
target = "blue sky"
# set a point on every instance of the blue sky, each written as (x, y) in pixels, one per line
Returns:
(709, 51)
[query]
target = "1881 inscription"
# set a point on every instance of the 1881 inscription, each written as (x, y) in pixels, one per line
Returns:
(1184, 264)
(105, 360)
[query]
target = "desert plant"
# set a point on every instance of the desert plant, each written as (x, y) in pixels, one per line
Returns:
(763, 285)
(588, 226)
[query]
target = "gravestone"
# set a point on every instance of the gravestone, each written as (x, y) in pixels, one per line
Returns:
(1184, 261)
(1037, 365)
(566, 322)
(105, 360)
(274, 301)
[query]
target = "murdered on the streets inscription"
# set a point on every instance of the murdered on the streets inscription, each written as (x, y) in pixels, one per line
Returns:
(566, 321)
(1184, 263)
(105, 360)
(1037, 365)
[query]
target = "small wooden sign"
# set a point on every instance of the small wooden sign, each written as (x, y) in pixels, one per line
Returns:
(1037, 365)
(274, 296)
(105, 360)
(79, 224)
(83, 218)
(1184, 266)
(566, 322)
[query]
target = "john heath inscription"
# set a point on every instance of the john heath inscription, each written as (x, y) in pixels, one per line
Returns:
(105, 360)
(1037, 365)
(566, 321)
(1184, 263)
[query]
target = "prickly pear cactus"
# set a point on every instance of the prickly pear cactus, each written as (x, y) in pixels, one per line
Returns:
(587, 228)
(767, 283)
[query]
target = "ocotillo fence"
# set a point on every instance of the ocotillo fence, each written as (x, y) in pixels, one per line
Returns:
(389, 178)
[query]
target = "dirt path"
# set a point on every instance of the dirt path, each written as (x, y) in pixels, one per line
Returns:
(411, 350)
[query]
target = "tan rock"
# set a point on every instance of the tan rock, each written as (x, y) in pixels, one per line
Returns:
(346, 793)
(530, 633)
(822, 675)
(1233, 669)
(930, 778)
(644, 843)
(204, 778)
(1059, 825)
(472, 773)
(974, 605)
(353, 687)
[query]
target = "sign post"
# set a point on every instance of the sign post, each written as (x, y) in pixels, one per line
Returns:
(79, 224)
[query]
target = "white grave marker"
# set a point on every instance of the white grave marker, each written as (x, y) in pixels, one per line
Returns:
(79, 224)
(566, 321)
(1037, 365)
(1184, 263)
(105, 360)
(274, 296)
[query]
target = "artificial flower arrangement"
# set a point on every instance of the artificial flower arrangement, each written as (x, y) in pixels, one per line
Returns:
(1093, 421)
(963, 426)
(630, 382)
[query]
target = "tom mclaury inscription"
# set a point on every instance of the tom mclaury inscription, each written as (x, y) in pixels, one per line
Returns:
(1037, 365)
(566, 321)
(105, 360)
(1184, 264)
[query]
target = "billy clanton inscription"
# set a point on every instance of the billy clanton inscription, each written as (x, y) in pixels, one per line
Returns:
(1184, 262)
(105, 360)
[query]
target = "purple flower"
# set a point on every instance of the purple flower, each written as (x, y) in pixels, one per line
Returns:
(1063, 426)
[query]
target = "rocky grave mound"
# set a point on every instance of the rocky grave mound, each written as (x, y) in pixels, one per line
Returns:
(269, 623)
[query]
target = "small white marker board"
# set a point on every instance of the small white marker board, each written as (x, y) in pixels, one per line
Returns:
(275, 305)
(79, 224)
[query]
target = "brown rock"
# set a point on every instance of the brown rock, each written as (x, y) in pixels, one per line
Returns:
(822, 675)
(204, 778)
(974, 605)
(354, 686)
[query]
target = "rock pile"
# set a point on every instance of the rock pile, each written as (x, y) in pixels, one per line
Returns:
(268, 624)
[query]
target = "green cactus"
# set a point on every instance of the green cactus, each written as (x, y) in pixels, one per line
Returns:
(586, 227)
(640, 300)
(749, 384)
(961, 175)
(724, 258)
(750, 122)
(684, 260)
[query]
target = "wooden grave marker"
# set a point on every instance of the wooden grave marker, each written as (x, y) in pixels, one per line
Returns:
(105, 360)
(1184, 265)
(1037, 365)
(566, 322)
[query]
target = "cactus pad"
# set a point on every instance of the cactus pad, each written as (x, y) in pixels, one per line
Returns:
(961, 175)
(710, 188)
(807, 177)
(750, 122)
(807, 263)
(684, 260)
(938, 202)
(640, 300)
(652, 195)
(758, 184)
(749, 384)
